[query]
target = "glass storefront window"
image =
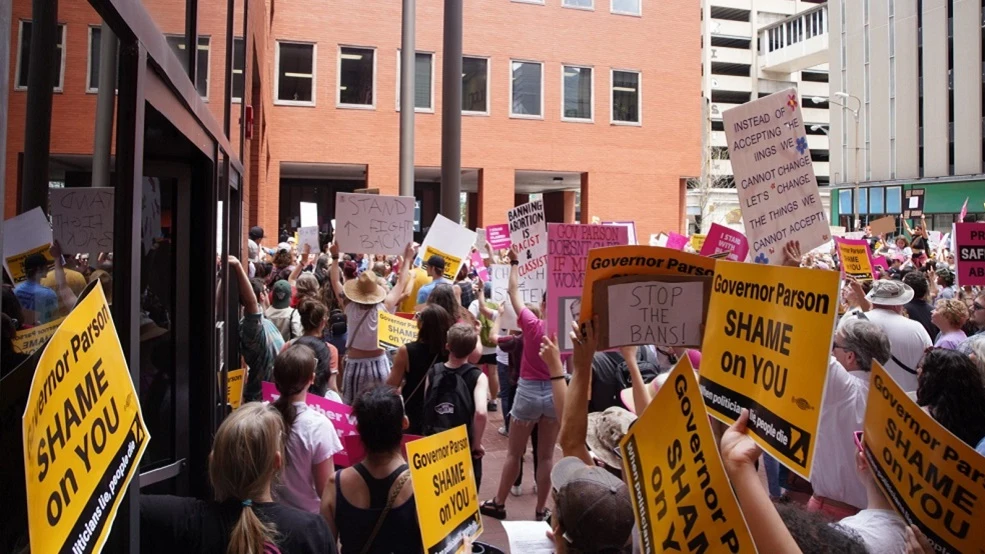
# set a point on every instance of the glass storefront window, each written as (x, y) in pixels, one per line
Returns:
(877, 203)
(845, 202)
(863, 201)
(894, 200)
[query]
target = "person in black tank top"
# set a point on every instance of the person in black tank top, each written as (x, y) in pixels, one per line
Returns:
(414, 359)
(356, 498)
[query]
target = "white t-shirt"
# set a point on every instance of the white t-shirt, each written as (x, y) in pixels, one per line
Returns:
(907, 340)
(842, 414)
(312, 441)
(474, 310)
(882, 531)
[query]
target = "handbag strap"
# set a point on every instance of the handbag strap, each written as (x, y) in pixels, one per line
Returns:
(904, 367)
(352, 336)
(394, 492)
(421, 382)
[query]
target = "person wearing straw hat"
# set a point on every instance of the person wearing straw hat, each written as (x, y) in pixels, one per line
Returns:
(366, 364)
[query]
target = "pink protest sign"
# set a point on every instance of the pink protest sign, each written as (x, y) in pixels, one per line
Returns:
(480, 267)
(339, 414)
(356, 451)
(498, 236)
(567, 256)
(855, 257)
(721, 239)
(676, 241)
(969, 240)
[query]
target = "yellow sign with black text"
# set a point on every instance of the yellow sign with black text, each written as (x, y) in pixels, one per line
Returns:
(622, 261)
(444, 490)
(84, 433)
(16, 262)
(697, 241)
(933, 479)
(394, 331)
(856, 260)
(26, 341)
(681, 495)
(452, 263)
(234, 387)
(766, 347)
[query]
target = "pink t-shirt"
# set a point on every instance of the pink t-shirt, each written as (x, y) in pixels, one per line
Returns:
(531, 366)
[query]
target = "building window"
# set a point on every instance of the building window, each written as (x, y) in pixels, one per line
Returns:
(526, 89)
(423, 81)
(295, 71)
(92, 71)
(357, 76)
(24, 57)
(627, 7)
(626, 98)
(845, 202)
(239, 65)
(177, 44)
(894, 200)
(475, 85)
(580, 4)
(576, 91)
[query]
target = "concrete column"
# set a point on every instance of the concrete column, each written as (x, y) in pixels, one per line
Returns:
(451, 112)
(935, 93)
(40, 81)
(495, 196)
(967, 87)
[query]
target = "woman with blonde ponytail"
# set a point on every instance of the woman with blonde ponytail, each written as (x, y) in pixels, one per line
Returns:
(247, 454)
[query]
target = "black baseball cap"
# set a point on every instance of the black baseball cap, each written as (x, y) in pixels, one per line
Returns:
(256, 232)
(436, 262)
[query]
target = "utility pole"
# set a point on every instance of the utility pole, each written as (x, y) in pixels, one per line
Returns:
(408, 66)
(451, 113)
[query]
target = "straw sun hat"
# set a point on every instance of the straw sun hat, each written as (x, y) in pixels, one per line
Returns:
(364, 289)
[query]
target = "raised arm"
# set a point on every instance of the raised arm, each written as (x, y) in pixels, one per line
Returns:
(551, 354)
(641, 393)
(246, 295)
(398, 291)
(514, 284)
(65, 294)
(574, 424)
(333, 271)
(299, 267)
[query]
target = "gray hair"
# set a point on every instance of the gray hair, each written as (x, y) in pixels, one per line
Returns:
(867, 341)
(975, 344)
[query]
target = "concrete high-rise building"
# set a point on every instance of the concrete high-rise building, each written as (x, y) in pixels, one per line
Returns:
(751, 49)
(909, 73)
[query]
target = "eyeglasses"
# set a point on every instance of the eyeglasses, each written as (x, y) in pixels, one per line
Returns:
(835, 346)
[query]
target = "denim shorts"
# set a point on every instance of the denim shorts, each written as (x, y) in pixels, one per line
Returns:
(533, 401)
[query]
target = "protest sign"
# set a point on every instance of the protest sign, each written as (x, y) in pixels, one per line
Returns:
(355, 450)
(528, 233)
(150, 213)
(676, 241)
(501, 295)
(675, 475)
(933, 479)
(25, 234)
(698, 242)
(663, 311)
(374, 224)
(234, 386)
(339, 414)
(479, 265)
(76, 480)
(766, 347)
(621, 261)
(498, 236)
(630, 229)
(721, 239)
(82, 219)
(444, 489)
(309, 214)
(659, 239)
(934, 239)
(308, 231)
(774, 176)
(26, 341)
(449, 240)
(880, 262)
(480, 239)
(883, 225)
(969, 240)
(567, 255)
(393, 331)
(856, 259)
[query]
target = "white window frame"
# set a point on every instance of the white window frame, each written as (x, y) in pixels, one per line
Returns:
(90, 90)
(60, 85)
(314, 74)
(338, 79)
(613, 10)
(208, 61)
(639, 97)
(510, 96)
(536, 2)
(488, 89)
(564, 4)
(416, 109)
(591, 104)
(232, 64)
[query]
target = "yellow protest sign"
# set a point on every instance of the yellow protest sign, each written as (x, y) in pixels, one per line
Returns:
(234, 386)
(26, 341)
(933, 478)
(621, 261)
(452, 263)
(394, 331)
(681, 495)
(697, 241)
(856, 260)
(444, 490)
(15, 263)
(766, 347)
(84, 433)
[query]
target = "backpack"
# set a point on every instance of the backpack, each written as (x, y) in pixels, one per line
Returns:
(323, 359)
(449, 400)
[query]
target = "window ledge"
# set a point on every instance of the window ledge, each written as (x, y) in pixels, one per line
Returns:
(627, 14)
(525, 116)
(57, 90)
(295, 103)
(416, 110)
(476, 114)
(534, 2)
(582, 8)
(626, 123)
(355, 106)
(577, 120)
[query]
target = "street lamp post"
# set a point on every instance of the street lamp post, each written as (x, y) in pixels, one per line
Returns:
(854, 113)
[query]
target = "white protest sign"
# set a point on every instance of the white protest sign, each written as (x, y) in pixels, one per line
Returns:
(501, 294)
(24, 234)
(528, 233)
(309, 214)
(374, 224)
(82, 219)
(309, 236)
(150, 213)
(655, 312)
(449, 240)
(480, 239)
(774, 176)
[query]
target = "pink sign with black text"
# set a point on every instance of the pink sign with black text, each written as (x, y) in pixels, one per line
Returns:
(969, 250)
(339, 414)
(498, 236)
(721, 239)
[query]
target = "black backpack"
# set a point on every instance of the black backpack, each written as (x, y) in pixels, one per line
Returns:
(449, 400)
(323, 358)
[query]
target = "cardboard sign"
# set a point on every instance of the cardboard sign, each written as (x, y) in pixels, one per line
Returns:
(676, 241)
(676, 478)
(82, 219)
(969, 239)
(883, 225)
(698, 242)
(84, 433)
(567, 257)
(339, 414)
(766, 347)
(23, 235)
(26, 341)
(913, 203)
(449, 240)
(721, 239)
(663, 311)
(444, 490)
(234, 386)
(630, 229)
(393, 331)
(932, 478)
(479, 265)
(774, 176)
(374, 224)
(498, 236)
(856, 258)
(452, 263)
(621, 261)
(501, 295)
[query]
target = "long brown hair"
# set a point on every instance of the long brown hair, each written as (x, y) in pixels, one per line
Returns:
(241, 467)
(293, 370)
